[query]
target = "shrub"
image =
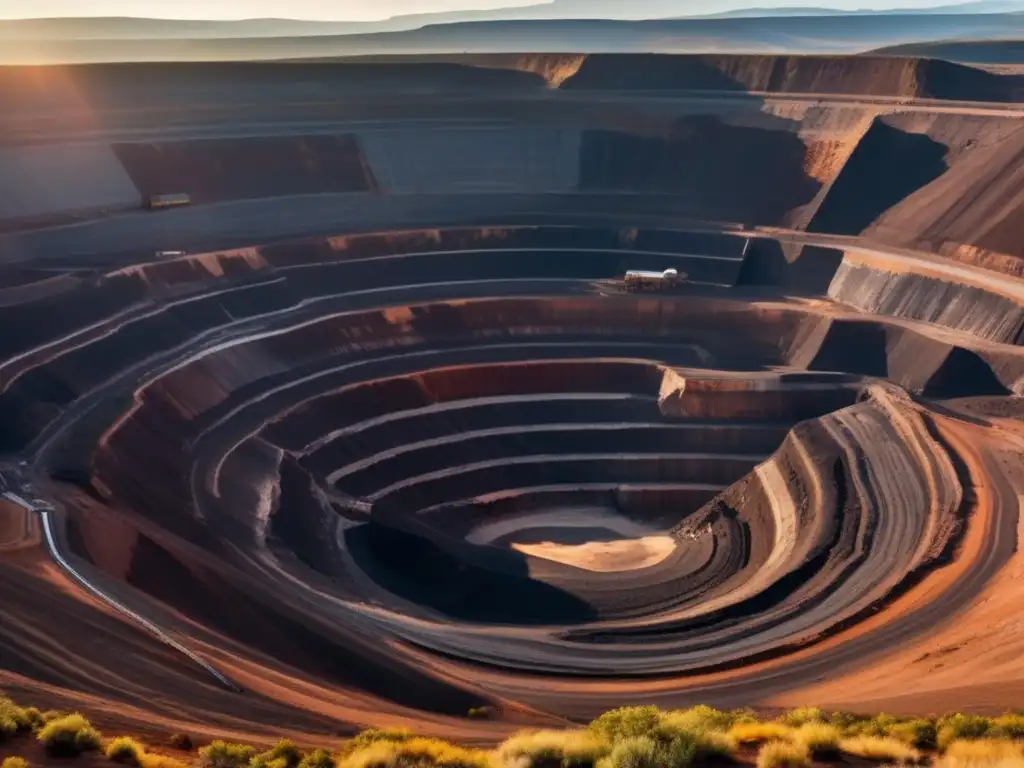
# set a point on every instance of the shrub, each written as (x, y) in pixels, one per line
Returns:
(820, 740)
(15, 762)
(625, 722)
(961, 727)
(702, 743)
(645, 752)
(703, 717)
(373, 735)
(415, 753)
(881, 749)
(984, 751)
(570, 749)
(69, 735)
(1007, 727)
(180, 741)
(126, 750)
(759, 733)
(150, 760)
(318, 758)
(782, 754)
(916, 733)
(222, 754)
(802, 716)
(284, 754)
(15, 719)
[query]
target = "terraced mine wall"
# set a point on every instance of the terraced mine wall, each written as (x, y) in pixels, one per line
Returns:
(322, 453)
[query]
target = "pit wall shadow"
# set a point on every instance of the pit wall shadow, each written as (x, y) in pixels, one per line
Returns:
(887, 166)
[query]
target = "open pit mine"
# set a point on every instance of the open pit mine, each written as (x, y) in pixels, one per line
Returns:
(364, 426)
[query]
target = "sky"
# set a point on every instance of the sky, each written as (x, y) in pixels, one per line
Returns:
(339, 10)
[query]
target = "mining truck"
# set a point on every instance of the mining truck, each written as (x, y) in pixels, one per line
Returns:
(175, 200)
(641, 280)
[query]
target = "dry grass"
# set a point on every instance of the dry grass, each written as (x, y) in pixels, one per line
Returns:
(69, 735)
(983, 752)
(151, 760)
(318, 758)
(881, 749)
(570, 748)
(821, 740)
(783, 754)
(759, 733)
(125, 750)
(415, 751)
(15, 762)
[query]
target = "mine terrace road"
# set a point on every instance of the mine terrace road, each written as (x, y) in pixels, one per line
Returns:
(154, 123)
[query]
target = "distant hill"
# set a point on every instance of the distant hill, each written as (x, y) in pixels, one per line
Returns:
(965, 51)
(113, 40)
(975, 6)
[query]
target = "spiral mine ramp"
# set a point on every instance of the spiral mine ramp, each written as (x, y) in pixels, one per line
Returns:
(372, 432)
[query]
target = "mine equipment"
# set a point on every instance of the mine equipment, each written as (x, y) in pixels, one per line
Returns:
(169, 254)
(175, 200)
(641, 280)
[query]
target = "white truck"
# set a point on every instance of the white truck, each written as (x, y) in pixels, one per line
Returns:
(642, 280)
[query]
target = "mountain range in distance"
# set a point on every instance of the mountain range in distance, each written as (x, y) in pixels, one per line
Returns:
(546, 28)
(128, 28)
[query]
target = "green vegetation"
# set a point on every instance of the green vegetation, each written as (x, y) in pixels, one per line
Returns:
(284, 754)
(15, 719)
(569, 749)
(882, 749)
(318, 758)
(374, 735)
(628, 737)
(759, 733)
(783, 754)
(415, 752)
(222, 754)
(125, 750)
(69, 735)
(820, 740)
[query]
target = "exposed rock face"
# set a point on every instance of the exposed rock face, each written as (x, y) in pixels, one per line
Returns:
(440, 450)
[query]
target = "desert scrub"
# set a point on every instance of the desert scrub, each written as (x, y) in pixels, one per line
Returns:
(701, 743)
(570, 749)
(374, 735)
(703, 717)
(821, 740)
(1007, 727)
(69, 735)
(759, 733)
(126, 750)
(625, 722)
(881, 749)
(984, 751)
(152, 760)
(802, 716)
(416, 752)
(645, 752)
(284, 754)
(782, 754)
(961, 727)
(318, 758)
(15, 719)
(223, 754)
(14, 762)
(917, 733)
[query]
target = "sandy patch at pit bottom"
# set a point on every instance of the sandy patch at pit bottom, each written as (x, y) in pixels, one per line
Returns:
(604, 556)
(640, 546)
